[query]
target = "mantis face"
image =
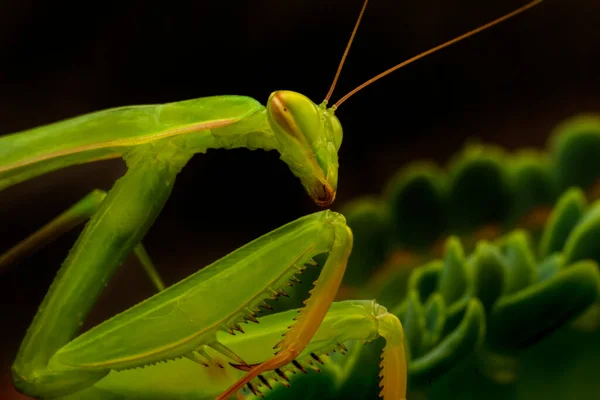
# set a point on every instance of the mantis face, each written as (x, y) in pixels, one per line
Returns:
(309, 138)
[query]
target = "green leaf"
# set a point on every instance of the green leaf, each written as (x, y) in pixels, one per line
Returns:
(562, 220)
(453, 277)
(454, 348)
(416, 198)
(519, 262)
(479, 190)
(435, 319)
(369, 221)
(576, 148)
(523, 318)
(487, 271)
(532, 182)
(424, 280)
(550, 266)
(583, 240)
(414, 325)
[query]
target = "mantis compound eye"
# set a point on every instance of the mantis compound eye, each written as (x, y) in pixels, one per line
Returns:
(337, 132)
(294, 115)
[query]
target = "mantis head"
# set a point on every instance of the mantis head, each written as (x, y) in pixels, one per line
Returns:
(310, 135)
(309, 138)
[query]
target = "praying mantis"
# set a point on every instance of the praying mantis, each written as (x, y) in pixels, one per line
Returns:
(184, 321)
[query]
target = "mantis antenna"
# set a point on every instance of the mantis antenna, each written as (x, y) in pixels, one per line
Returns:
(339, 70)
(415, 58)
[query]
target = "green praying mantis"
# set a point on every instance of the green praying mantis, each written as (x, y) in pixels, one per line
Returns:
(183, 324)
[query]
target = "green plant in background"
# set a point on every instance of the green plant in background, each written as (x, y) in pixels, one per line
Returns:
(492, 267)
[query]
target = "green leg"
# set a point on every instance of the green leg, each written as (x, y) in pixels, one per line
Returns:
(120, 223)
(310, 317)
(75, 215)
(148, 265)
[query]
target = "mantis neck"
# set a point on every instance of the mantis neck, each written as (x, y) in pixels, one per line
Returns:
(252, 132)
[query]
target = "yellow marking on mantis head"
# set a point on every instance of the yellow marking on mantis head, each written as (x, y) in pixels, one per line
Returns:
(310, 137)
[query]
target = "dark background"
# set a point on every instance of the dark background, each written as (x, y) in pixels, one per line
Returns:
(509, 85)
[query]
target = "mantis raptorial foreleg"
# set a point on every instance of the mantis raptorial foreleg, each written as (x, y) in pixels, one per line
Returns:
(309, 318)
(77, 214)
(179, 321)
